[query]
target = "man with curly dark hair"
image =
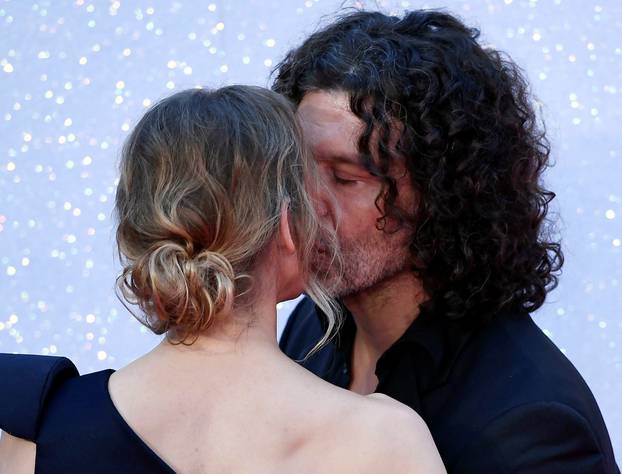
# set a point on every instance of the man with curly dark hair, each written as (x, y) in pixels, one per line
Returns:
(433, 158)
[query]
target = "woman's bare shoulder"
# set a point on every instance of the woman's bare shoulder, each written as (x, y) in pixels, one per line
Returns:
(391, 437)
(17, 456)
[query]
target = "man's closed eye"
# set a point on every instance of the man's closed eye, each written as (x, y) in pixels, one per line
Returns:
(343, 181)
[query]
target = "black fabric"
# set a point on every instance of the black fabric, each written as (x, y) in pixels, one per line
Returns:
(497, 399)
(26, 382)
(71, 418)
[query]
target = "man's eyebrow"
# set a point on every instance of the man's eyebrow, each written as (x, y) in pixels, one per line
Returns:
(352, 159)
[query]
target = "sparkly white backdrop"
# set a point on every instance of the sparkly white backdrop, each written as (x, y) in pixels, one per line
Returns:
(77, 75)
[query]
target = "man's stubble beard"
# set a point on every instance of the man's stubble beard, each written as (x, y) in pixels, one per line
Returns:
(366, 262)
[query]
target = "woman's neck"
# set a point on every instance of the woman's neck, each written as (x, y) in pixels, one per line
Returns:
(243, 330)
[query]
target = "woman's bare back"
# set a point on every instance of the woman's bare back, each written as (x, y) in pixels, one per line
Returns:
(268, 416)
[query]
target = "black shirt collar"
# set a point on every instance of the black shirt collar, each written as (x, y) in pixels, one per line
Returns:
(428, 350)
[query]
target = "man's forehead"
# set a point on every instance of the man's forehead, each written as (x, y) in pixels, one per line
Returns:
(327, 107)
(333, 129)
(328, 122)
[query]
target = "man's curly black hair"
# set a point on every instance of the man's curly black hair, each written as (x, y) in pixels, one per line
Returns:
(474, 148)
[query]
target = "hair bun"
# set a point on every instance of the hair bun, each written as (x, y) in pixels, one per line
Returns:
(180, 291)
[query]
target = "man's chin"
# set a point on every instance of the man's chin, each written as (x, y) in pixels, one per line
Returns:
(364, 267)
(335, 285)
(346, 286)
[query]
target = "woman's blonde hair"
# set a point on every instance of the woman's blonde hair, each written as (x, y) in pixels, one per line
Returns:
(203, 177)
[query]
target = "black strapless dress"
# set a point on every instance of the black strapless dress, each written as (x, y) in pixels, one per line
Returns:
(71, 418)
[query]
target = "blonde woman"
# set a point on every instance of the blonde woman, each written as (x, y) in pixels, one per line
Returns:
(215, 227)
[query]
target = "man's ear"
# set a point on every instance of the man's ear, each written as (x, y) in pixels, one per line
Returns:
(286, 242)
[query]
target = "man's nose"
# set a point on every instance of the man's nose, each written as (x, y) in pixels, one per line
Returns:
(320, 204)
(326, 206)
(321, 196)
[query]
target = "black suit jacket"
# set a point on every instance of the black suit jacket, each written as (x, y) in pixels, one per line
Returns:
(497, 399)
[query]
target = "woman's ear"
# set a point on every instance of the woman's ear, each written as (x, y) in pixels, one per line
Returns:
(286, 242)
